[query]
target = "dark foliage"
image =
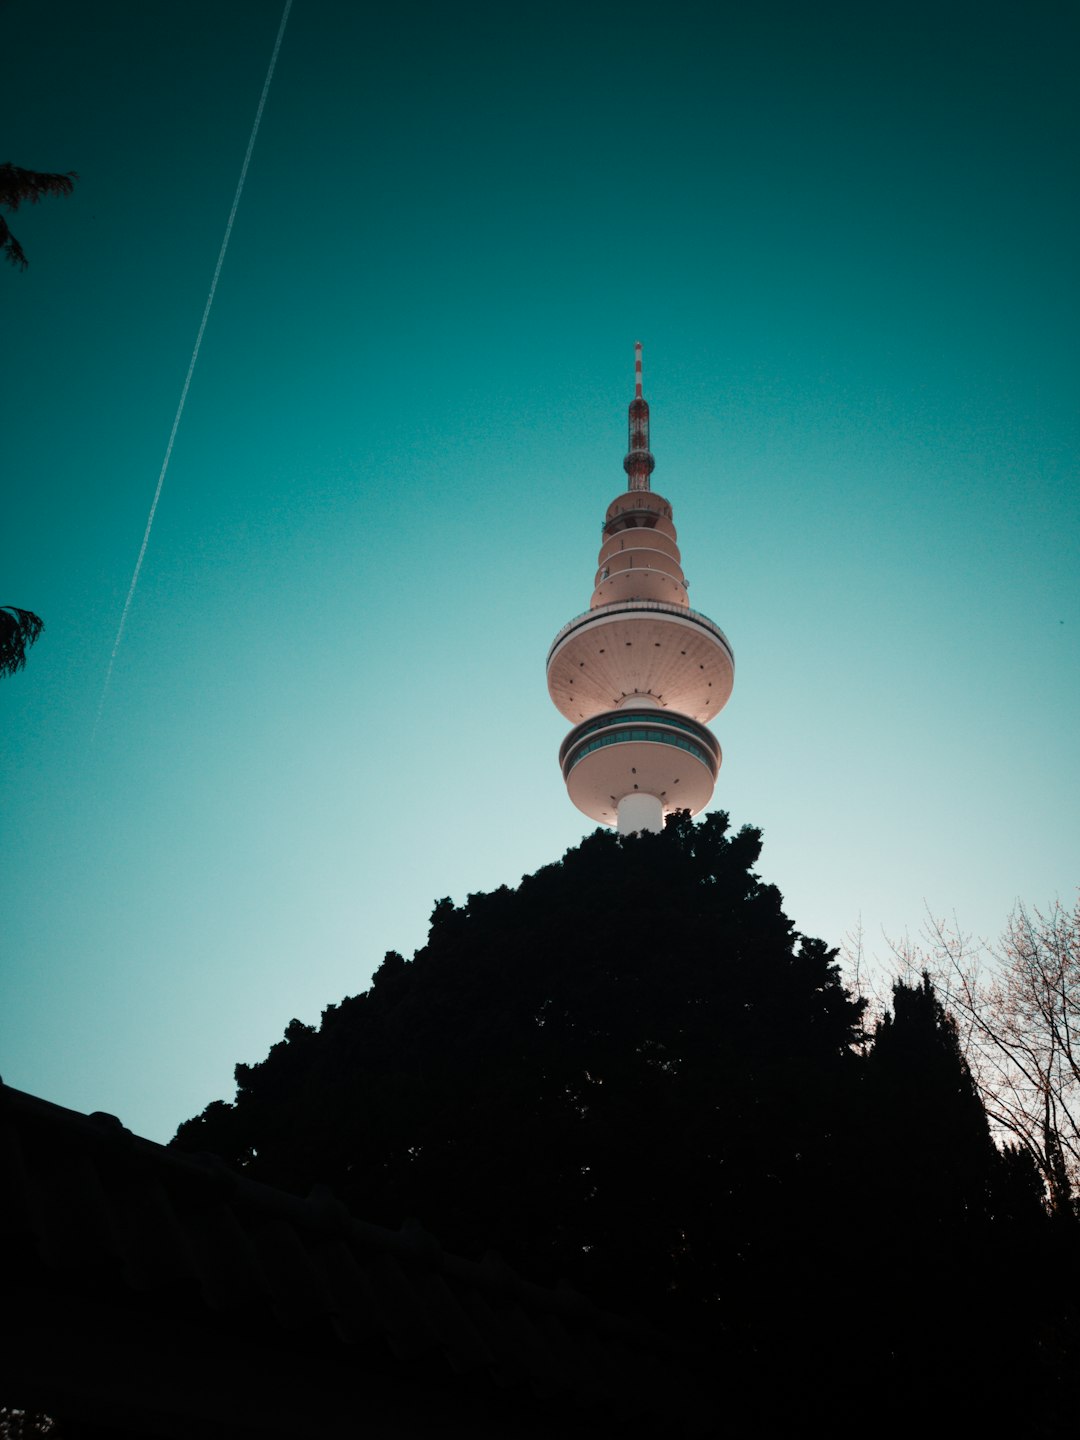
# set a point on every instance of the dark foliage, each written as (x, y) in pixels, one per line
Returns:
(18, 631)
(927, 1133)
(951, 1225)
(18, 185)
(605, 1075)
(632, 1072)
(18, 1424)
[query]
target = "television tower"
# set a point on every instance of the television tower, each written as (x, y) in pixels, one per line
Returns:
(639, 673)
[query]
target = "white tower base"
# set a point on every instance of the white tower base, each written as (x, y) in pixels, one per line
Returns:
(640, 812)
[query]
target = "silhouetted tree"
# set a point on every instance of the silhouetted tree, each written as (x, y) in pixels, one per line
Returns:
(630, 1072)
(1018, 1008)
(18, 631)
(18, 185)
(18, 1424)
(932, 1136)
(956, 1229)
(634, 1073)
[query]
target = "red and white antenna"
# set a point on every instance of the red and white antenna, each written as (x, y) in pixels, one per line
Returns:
(639, 462)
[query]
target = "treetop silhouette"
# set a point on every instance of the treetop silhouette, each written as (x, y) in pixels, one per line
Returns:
(634, 1052)
(18, 185)
(18, 631)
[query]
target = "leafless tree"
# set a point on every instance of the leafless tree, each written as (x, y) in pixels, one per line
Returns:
(1017, 1007)
(866, 979)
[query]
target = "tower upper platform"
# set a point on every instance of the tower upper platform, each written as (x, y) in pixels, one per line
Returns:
(640, 648)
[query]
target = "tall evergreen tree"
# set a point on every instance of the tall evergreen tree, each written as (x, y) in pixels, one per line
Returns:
(930, 1133)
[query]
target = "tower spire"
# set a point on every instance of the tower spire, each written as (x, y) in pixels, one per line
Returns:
(639, 462)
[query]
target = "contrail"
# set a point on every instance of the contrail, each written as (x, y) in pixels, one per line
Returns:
(191, 366)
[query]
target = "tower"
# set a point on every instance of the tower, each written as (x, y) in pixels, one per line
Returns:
(639, 673)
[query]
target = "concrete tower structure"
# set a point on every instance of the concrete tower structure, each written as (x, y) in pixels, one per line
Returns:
(639, 673)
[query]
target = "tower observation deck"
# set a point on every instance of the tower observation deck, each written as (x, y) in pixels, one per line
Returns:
(639, 673)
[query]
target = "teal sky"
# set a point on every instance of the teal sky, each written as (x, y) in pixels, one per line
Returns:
(847, 235)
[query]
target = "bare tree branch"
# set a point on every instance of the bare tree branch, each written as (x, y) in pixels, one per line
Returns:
(1017, 1007)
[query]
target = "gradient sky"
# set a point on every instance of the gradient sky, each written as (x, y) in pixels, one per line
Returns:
(847, 235)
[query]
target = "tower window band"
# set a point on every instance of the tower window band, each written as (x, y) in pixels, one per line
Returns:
(624, 737)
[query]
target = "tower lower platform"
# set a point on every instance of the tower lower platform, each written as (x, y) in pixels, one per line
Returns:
(639, 751)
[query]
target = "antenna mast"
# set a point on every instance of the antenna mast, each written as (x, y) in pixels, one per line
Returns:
(639, 462)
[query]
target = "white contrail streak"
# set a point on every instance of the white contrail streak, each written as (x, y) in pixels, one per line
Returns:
(194, 358)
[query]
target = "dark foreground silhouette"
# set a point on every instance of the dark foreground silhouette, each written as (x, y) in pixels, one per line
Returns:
(152, 1293)
(632, 1073)
(718, 1205)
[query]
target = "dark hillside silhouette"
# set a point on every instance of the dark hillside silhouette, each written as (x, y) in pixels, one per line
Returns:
(633, 1073)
